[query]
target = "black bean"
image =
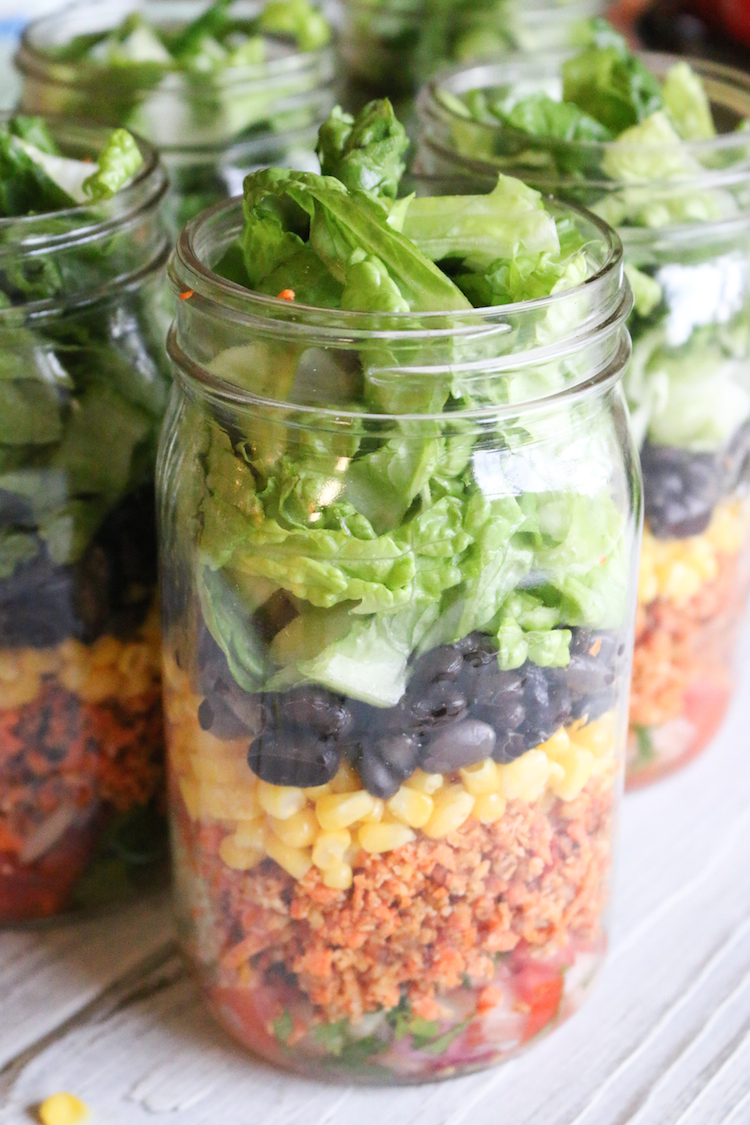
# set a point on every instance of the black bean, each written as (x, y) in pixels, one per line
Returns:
(477, 649)
(314, 709)
(547, 701)
(680, 490)
(293, 757)
(509, 747)
(439, 703)
(498, 688)
(443, 663)
(217, 716)
(460, 745)
(400, 753)
(592, 706)
(587, 675)
(376, 777)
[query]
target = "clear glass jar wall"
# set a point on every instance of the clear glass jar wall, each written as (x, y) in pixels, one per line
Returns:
(688, 383)
(83, 388)
(390, 47)
(211, 129)
(395, 728)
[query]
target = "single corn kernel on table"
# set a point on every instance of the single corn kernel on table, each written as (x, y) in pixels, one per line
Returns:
(105, 1010)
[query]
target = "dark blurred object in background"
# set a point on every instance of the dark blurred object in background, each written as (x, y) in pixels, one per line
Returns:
(712, 29)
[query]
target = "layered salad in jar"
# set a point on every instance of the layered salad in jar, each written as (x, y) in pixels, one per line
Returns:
(82, 391)
(398, 614)
(392, 46)
(219, 88)
(635, 139)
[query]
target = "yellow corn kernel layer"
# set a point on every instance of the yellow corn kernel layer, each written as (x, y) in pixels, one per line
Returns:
(331, 826)
(675, 569)
(106, 669)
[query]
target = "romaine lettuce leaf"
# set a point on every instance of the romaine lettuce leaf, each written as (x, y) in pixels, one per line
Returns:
(366, 154)
(611, 85)
(509, 220)
(686, 102)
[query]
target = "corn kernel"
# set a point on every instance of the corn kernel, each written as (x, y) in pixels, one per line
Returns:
(63, 1109)
(281, 801)
(99, 684)
(598, 736)
(19, 692)
(428, 783)
(135, 660)
(354, 854)
(228, 802)
(489, 807)
(679, 582)
(346, 780)
(338, 878)
(10, 666)
(299, 830)
(378, 810)
(330, 848)
(525, 778)
(191, 795)
(726, 531)
(41, 661)
(453, 805)
(317, 791)
(577, 765)
(73, 652)
(237, 856)
(481, 778)
(378, 838)
(104, 651)
(216, 770)
(252, 833)
(410, 807)
(339, 810)
(559, 741)
(295, 861)
(73, 676)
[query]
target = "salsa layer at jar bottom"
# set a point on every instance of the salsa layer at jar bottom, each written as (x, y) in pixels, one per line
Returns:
(80, 744)
(437, 930)
(691, 602)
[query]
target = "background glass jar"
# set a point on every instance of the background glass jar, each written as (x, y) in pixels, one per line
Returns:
(211, 129)
(390, 47)
(687, 245)
(397, 652)
(83, 386)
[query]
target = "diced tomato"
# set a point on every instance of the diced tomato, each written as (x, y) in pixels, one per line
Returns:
(540, 988)
(705, 706)
(42, 888)
(246, 1014)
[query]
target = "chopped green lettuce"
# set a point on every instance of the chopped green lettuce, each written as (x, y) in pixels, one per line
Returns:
(687, 104)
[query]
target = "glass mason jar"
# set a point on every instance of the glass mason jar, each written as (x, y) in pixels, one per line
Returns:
(210, 129)
(688, 384)
(397, 652)
(390, 47)
(83, 387)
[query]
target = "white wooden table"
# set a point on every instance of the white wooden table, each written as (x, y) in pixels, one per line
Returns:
(105, 1009)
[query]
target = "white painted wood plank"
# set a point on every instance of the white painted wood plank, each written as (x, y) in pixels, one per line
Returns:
(49, 973)
(665, 1039)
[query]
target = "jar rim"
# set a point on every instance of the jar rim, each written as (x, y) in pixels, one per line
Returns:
(85, 220)
(530, 11)
(730, 85)
(209, 293)
(32, 58)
